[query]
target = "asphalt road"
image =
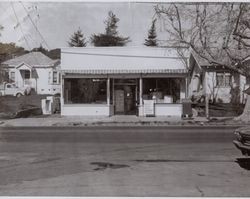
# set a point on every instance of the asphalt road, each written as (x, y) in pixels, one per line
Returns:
(121, 161)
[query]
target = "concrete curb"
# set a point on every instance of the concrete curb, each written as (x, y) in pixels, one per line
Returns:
(123, 124)
(118, 121)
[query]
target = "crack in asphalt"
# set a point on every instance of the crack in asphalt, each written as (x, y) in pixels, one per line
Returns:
(105, 165)
(200, 191)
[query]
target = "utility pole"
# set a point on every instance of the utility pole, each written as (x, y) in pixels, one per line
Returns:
(207, 106)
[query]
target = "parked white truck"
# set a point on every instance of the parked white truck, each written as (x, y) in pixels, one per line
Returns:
(12, 89)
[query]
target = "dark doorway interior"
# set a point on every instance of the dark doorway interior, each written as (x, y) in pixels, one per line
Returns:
(125, 92)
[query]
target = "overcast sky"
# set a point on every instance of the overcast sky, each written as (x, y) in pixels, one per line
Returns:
(57, 21)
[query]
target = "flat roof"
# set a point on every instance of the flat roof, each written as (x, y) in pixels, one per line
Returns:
(123, 60)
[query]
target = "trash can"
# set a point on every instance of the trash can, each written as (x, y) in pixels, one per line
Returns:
(187, 108)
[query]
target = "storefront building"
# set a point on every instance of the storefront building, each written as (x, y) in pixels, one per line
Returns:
(106, 81)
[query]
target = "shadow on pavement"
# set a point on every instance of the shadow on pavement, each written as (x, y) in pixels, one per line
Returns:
(244, 163)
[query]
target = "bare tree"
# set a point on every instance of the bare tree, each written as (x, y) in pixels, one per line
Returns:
(207, 28)
(217, 33)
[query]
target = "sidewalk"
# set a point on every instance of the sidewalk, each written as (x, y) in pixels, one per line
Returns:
(58, 120)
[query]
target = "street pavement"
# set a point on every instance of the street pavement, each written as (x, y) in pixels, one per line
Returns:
(122, 161)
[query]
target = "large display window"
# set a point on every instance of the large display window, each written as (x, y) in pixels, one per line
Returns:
(85, 91)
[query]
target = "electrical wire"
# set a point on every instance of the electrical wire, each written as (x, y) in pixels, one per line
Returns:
(21, 29)
(27, 43)
(33, 23)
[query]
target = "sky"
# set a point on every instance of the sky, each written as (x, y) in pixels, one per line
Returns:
(56, 21)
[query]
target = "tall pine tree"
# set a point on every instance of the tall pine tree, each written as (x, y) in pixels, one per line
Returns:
(77, 39)
(151, 40)
(110, 37)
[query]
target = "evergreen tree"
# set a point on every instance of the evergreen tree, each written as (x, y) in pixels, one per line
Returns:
(77, 39)
(110, 37)
(151, 40)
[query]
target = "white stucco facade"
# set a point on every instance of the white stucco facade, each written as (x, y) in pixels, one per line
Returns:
(127, 73)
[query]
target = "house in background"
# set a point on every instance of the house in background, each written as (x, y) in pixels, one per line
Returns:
(109, 81)
(220, 83)
(34, 70)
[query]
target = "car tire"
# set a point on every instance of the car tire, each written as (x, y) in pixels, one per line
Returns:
(18, 95)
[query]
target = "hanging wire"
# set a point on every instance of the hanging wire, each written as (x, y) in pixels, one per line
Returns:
(33, 23)
(26, 40)
(21, 29)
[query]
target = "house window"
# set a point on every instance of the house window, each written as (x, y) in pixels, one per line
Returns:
(26, 74)
(12, 76)
(55, 77)
(248, 80)
(85, 91)
(223, 79)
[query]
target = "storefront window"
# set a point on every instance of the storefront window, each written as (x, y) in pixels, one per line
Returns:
(85, 91)
(163, 90)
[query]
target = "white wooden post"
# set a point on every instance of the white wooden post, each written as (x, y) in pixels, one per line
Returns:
(62, 90)
(140, 91)
(206, 95)
(108, 91)
(183, 89)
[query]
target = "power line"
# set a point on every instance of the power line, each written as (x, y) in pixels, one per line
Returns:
(18, 22)
(33, 23)
(27, 43)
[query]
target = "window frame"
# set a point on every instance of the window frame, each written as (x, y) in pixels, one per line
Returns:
(55, 77)
(25, 74)
(72, 100)
(13, 77)
(223, 82)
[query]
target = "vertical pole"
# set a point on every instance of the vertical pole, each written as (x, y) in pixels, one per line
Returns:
(108, 91)
(207, 106)
(62, 92)
(183, 89)
(186, 87)
(140, 91)
(206, 96)
(113, 91)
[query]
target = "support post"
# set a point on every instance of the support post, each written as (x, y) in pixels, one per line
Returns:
(186, 94)
(183, 89)
(206, 95)
(113, 91)
(140, 91)
(62, 91)
(108, 91)
(207, 106)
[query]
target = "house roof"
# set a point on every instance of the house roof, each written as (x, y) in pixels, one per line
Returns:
(34, 59)
(225, 59)
(122, 60)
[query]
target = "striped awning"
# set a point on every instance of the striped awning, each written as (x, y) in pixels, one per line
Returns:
(145, 71)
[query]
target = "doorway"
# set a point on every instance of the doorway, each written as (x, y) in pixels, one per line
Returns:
(125, 96)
